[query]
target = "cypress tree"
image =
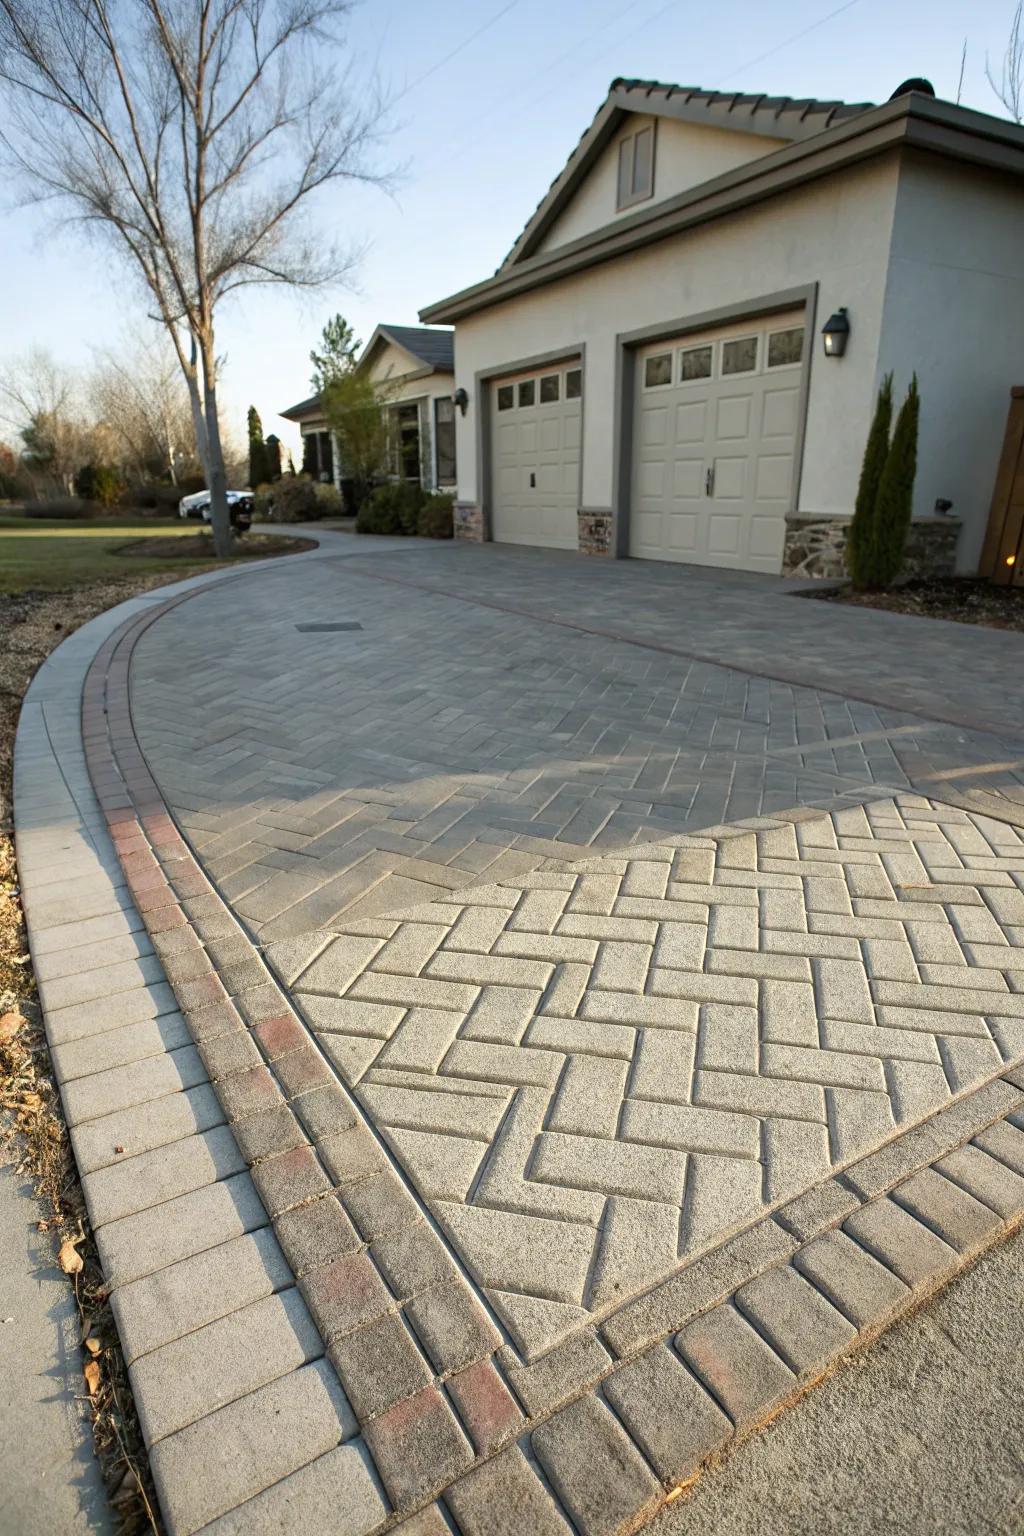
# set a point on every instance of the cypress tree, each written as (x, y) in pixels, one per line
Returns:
(257, 450)
(860, 540)
(896, 492)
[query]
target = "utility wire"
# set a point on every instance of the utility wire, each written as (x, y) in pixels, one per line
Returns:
(794, 39)
(487, 25)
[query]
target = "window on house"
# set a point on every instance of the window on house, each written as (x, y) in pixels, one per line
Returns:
(549, 387)
(785, 347)
(658, 370)
(574, 384)
(695, 363)
(527, 391)
(444, 440)
(739, 356)
(506, 397)
(636, 167)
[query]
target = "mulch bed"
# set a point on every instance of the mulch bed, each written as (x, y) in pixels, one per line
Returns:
(200, 547)
(961, 599)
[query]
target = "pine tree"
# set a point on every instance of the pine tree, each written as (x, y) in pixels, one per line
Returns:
(337, 355)
(895, 501)
(257, 450)
(860, 540)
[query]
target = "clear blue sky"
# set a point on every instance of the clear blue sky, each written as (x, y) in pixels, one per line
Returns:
(491, 99)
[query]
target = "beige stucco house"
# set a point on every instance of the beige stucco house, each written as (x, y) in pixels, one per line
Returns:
(416, 366)
(647, 373)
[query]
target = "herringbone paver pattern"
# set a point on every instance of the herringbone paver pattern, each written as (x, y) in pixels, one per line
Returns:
(594, 1073)
(589, 1071)
(326, 777)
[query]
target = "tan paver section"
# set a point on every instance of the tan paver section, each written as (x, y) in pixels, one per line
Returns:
(602, 1070)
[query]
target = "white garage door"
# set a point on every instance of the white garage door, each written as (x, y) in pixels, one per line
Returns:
(535, 456)
(714, 444)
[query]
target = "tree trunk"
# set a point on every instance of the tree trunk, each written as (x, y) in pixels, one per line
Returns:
(216, 476)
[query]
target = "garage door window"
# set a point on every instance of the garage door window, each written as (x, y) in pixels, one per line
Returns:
(550, 386)
(785, 348)
(506, 397)
(527, 391)
(574, 384)
(658, 370)
(739, 356)
(695, 363)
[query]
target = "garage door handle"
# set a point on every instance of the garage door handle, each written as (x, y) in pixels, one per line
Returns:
(709, 481)
(533, 481)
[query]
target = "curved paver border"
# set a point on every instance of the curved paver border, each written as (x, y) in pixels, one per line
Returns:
(682, 1369)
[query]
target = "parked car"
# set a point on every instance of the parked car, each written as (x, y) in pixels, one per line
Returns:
(240, 506)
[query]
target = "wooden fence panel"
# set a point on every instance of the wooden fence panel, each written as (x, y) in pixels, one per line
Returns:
(1002, 554)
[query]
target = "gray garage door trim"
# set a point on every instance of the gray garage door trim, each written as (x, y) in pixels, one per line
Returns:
(628, 345)
(482, 396)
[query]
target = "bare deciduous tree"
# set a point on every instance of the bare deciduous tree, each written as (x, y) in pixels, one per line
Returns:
(139, 392)
(194, 134)
(41, 400)
(1009, 87)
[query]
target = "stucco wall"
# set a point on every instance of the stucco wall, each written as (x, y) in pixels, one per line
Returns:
(835, 232)
(954, 311)
(685, 155)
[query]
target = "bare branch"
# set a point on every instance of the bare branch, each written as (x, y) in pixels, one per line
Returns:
(196, 135)
(1010, 86)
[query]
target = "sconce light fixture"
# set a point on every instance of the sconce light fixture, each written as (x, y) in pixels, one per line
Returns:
(461, 400)
(836, 332)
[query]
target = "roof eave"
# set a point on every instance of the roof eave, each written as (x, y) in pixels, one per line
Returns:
(920, 120)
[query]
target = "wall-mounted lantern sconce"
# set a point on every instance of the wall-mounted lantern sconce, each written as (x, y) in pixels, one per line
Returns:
(836, 332)
(461, 400)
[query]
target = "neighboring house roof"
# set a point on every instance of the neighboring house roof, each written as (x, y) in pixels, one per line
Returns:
(775, 117)
(310, 407)
(913, 120)
(434, 350)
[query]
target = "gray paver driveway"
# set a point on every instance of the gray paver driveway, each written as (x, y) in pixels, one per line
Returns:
(591, 1071)
(349, 773)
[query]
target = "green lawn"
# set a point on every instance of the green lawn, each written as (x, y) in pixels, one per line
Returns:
(52, 556)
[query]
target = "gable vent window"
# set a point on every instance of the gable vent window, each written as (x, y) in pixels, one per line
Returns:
(636, 167)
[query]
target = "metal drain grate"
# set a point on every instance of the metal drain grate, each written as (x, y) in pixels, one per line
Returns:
(324, 629)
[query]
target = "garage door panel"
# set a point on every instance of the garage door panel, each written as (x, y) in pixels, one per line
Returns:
(774, 476)
(535, 464)
(767, 535)
(654, 426)
(691, 422)
(550, 434)
(652, 480)
(682, 532)
(779, 413)
(733, 417)
(724, 534)
(743, 428)
(730, 479)
(688, 477)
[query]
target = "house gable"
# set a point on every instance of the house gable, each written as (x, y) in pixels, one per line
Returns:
(685, 155)
(776, 120)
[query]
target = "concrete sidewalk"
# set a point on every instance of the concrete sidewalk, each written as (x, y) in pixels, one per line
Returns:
(50, 1478)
